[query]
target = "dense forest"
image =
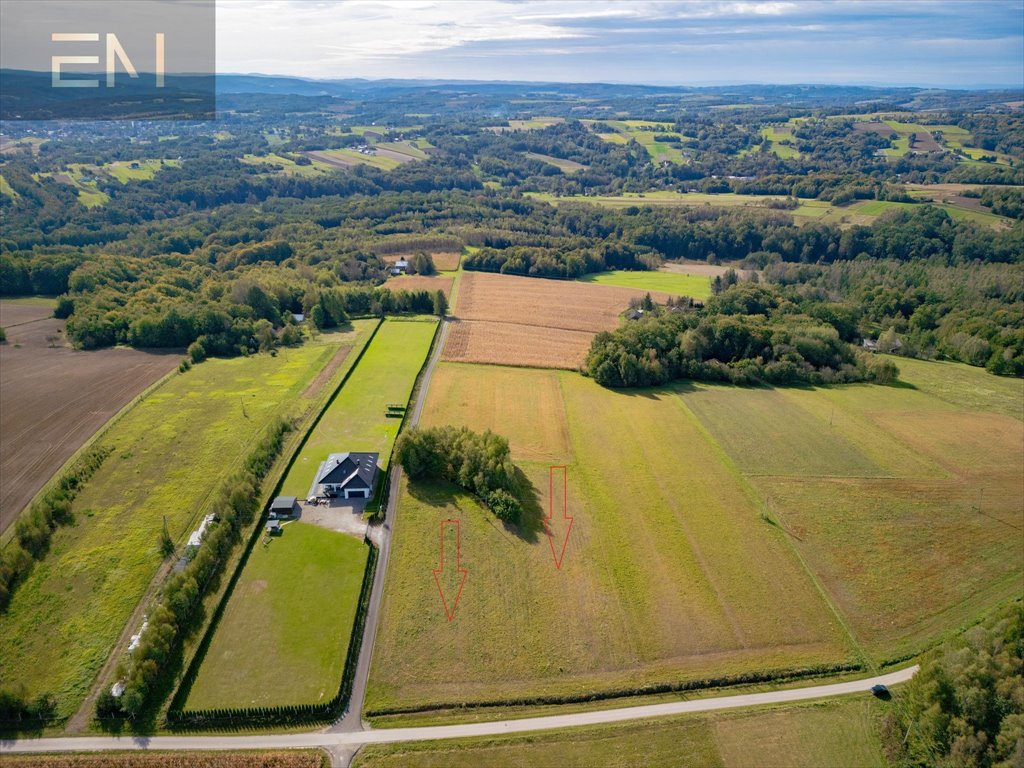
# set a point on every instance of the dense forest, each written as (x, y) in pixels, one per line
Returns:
(233, 232)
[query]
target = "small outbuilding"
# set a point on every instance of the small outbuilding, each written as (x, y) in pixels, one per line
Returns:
(274, 528)
(282, 507)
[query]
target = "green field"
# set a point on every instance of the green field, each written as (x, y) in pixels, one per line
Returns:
(678, 283)
(350, 155)
(170, 453)
(667, 556)
(840, 732)
(566, 166)
(147, 169)
(406, 148)
(288, 166)
(357, 418)
(695, 509)
(7, 189)
(775, 135)
(284, 636)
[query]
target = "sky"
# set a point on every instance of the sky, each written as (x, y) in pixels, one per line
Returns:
(944, 43)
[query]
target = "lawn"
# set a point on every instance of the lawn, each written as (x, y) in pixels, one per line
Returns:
(829, 733)
(284, 636)
(170, 453)
(669, 573)
(904, 501)
(357, 418)
(677, 283)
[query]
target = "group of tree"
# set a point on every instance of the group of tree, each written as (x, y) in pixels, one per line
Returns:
(479, 462)
(965, 706)
(748, 334)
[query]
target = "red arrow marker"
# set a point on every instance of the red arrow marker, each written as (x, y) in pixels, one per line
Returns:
(556, 552)
(458, 569)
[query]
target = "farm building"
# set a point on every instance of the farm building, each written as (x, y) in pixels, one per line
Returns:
(282, 506)
(274, 527)
(348, 475)
(401, 266)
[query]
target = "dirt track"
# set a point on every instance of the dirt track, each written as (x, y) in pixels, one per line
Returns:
(53, 399)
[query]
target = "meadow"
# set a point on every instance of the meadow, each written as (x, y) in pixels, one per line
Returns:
(904, 501)
(675, 283)
(837, 732)
(717, 530)
(284, 636)
(288, 166)
(170, 453)
(667, 556)
(356, 420)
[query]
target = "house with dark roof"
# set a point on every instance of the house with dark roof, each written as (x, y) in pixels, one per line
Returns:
(348, 475)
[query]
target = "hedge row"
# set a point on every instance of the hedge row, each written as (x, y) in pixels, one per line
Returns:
(746, 678)
(284, 715)
(234, 506)
(33, 529)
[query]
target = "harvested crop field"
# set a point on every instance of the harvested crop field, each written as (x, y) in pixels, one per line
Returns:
(532, 321)
(53, 398)
(430, 283)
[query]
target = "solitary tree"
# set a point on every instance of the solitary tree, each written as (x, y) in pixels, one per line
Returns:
(440, 303)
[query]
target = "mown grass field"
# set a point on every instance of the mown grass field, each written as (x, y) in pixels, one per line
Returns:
(357, 418)
(669, 572)
(170, 452)
(285, 633)
(675, 283)
(841, 732)
(906, 502)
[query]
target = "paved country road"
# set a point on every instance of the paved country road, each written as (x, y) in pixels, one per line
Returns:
(328, 739)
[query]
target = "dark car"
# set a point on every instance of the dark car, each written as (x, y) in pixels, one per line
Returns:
(881, 691)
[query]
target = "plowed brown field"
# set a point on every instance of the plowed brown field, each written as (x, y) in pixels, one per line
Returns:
(52, 399)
